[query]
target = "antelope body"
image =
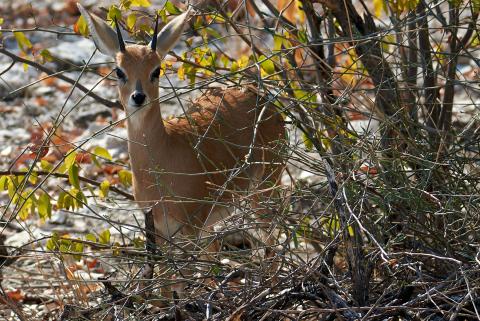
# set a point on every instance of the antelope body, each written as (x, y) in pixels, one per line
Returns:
(185, 167)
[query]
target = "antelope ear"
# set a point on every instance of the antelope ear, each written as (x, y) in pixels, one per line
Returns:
(171, 33)
(104, 37)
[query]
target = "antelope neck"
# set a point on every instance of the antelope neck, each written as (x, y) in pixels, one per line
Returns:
(146, 138)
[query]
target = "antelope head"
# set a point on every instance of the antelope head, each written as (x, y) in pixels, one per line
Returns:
(137, 66)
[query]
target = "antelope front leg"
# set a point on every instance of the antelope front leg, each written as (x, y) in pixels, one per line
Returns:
(149, 244)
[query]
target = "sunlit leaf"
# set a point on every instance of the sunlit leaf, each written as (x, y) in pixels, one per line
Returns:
(102, 152)
(171, 8)
(104, 237)
(90, 237)
(44, 206)
(114, 14)
(378, 7)
(33, 177)
(125, 177)
(476, 5)
(53, 242)
(70, 159)
(78, 198)
(131, 20)
(307, 142)
(81, 27)
(77, 248)
(23, 43)
(73, 176)
(140, 3)
(46, 55)
(266, 64)
(138, 243)
(28, 204)
(104, 188)
(4, 182)
(61, 200)
(181, 73)
(46, 165)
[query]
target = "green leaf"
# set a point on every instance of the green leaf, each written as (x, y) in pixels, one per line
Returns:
(22, 41)
(91, 238)
(277, 42)
(46, 55)
(73, 176)
(475, 5)
(140, 3)
(77, 197)
(4, 182)
(307, 142)
(131, 20)
(28, 205)
(302, 36)
(102, 152)
(81, 26)
(138, 243)
(68, 201)
(46, 165)
(70, 159)
(33, 177)
(114, 14)
(267, 65)
(77, 248)
(171, 8)
(44, 206)
(104, 188)
(125, 177)
(104, 236)
(214, 33)
(52, 243)
(61, 200)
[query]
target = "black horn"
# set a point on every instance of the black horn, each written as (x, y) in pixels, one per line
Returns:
(155, 33)
(121, 44)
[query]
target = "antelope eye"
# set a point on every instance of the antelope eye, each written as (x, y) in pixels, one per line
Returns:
(120, 74)
(155, 74)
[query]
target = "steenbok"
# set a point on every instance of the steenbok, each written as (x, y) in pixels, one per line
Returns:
(189, 169)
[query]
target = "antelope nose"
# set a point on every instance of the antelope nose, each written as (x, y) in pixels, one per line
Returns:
(138, 97)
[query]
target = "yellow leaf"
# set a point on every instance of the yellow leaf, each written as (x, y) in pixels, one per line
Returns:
(266, 64)
(125, 177)
(114, 14)
(46, 55)
(141, 3)
(22, 41)
(102, 152)
(131, 20)
(70, 159)
(104, 237)
(104, 187)
(378, 6)
(243, 62)
(81, 26)
(171, 8)
(181, 73)
(44, 206)
(73, 177)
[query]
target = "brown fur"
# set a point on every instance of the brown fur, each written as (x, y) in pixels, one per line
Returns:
(190, 168)
(184, 167)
